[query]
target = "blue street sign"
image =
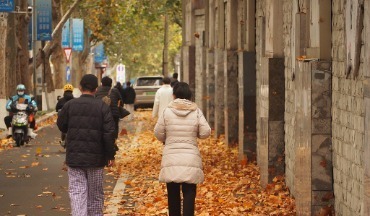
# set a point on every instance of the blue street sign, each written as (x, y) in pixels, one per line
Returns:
(78, 34)
(6, 5)
(99, 55)
(68, 74)
(66, 39)
(44, 22)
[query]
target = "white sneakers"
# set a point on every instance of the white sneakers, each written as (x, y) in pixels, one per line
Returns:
(10, 132)
(31, 133)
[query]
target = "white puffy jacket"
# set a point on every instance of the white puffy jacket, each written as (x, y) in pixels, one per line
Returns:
(179, 127)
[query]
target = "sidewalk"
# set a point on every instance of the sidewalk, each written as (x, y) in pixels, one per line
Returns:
(120, 202)
(231, 186)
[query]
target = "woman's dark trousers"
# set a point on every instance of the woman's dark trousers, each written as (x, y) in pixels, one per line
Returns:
(174, 199)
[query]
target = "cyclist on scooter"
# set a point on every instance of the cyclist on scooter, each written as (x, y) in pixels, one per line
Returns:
(21, 97)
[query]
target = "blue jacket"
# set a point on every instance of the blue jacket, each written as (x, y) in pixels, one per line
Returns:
(17, 97)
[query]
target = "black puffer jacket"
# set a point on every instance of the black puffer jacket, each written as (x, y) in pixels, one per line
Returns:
(90, 129)
(129, 95)
(115, 97)
(66, 97)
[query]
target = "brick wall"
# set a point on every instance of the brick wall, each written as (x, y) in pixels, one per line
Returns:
(348, 123)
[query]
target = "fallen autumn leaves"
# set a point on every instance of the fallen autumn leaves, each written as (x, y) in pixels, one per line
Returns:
(231, 186)
(7, 143)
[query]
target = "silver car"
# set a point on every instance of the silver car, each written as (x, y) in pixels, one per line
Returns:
(145, 88)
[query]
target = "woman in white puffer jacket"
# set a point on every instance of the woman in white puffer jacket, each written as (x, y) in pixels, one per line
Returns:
(181, 123)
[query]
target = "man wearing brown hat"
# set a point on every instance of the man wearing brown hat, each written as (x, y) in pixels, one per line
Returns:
(90, 146)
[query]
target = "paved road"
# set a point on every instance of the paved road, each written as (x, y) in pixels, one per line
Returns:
(33, 180)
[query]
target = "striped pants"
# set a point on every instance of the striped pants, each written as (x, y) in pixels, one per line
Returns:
(86, 191)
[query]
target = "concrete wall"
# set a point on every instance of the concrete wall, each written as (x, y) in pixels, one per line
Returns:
(348, 122)
(326, 105)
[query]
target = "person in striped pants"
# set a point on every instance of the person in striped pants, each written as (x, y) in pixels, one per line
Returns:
(90, 146)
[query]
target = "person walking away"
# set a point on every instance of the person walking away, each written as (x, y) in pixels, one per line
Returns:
(120, 89)
(163, 97)
(106, 90)
(90, 129)
(179, 127)
(174, 79)
(129, 96)
(21, 97)
(67, 96)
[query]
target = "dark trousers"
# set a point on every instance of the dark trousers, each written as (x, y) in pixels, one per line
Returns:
(174, 199)
(8, 122)
(116, 125)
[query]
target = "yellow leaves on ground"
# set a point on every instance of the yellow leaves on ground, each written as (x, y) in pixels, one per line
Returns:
(7, 143)
(49, 121)
(231, 187)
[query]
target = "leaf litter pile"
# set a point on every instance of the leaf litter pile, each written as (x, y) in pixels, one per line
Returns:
(231, 186)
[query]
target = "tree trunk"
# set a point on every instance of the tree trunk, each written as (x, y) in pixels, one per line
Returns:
(58, 57)
(3, 40)
(165, 46)
(12, 72)
(79, 61)
(22, 42)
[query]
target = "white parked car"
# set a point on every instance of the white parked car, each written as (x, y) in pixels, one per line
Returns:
(145, 89)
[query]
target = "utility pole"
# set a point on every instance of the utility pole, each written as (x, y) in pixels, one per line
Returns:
(34, 39)
(165, 47)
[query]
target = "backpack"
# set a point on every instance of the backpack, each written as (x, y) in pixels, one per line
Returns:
(106, 99)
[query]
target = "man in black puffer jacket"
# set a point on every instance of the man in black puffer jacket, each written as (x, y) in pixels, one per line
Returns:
(90, 146)
(115, 97)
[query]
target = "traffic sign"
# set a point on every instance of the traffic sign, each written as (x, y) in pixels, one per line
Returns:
(68, 53)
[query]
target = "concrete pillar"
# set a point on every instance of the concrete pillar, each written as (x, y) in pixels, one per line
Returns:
(366, 153)
(188, 49)
(319, 45)
(231, 97)
(219, 93)
(219, 67)
(210, 71)
(313, 169)
(188, 58)
(270, 134)
(200, 61)
(210, 62)
(247, 105)
(247, 79)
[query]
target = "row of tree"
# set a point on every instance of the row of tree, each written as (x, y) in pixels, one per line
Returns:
(132, 31)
